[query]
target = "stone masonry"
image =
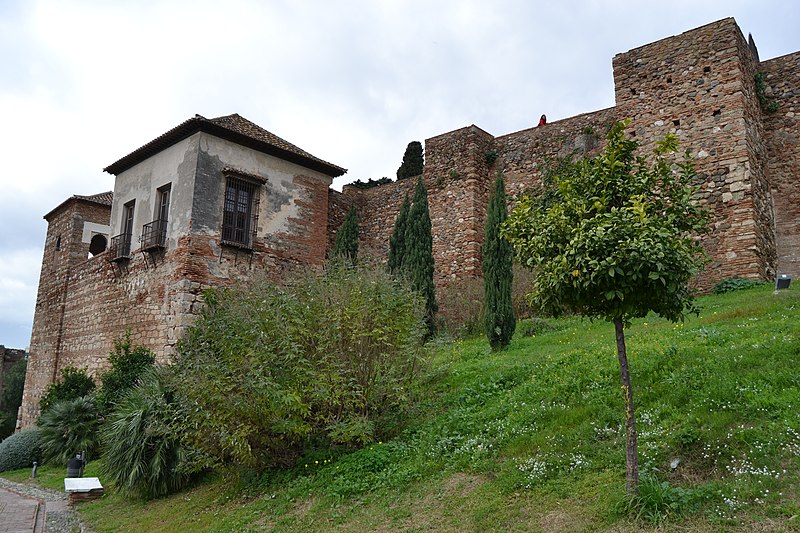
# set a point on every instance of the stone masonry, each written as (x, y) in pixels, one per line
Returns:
(700, 85)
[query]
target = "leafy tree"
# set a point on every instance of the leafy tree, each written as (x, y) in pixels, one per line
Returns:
(417, 260)
(413, 161)
(13, 386)
(619, 244)
(499, 321)
(128, 363)
(397, 241)
(75, 383)
(345, 246)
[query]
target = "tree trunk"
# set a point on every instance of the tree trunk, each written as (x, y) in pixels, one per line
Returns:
(631, 454)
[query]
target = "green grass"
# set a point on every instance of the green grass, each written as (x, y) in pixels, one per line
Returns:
(530, 439)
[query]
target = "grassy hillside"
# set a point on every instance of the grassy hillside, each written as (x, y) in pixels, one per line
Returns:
(531, 439)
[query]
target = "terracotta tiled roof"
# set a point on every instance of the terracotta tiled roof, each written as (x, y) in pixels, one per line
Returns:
(103, 198)
(234, 128)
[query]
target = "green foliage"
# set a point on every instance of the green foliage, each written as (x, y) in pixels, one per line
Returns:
(143, 448)
(20, 450)
(539, 425)
(769, 105)
(659, 501)
(619, 242)
(499, 319)
(13, 386)
(417, 260)
(271, 369)
(397, 240)
(413, 161)
(370, 183)
(128, 363)
(75, 383)
(346, 245)
(491, 157)
(736, 284)
(462, 307)
(69, 427)
(536, 326)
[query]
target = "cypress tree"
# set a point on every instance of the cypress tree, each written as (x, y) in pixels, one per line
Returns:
(397, 241)
(499, 321)
(417, 263)
(413, 161)
(346, 244)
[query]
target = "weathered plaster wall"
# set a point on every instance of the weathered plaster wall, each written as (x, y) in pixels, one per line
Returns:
(175, 165)
(782, 132)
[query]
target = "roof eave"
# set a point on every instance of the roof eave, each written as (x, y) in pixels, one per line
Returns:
(194, 125)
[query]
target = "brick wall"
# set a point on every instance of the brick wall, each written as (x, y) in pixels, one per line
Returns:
(782, 132)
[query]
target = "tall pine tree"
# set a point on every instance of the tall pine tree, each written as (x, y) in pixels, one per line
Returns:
(417, 264)
(397, 246)
(413, 161)
(499, 321)
(346, 244)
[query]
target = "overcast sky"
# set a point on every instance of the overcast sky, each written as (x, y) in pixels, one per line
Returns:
(85, 82)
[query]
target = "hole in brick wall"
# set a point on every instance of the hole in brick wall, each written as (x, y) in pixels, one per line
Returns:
(633, 91)
(58, 243)
(633, 134)
(706, 69)
(717, 113)
(669, 80)
(676, 122)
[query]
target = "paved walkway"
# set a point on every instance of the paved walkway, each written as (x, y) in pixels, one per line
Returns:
(18, 514)
(28, 508)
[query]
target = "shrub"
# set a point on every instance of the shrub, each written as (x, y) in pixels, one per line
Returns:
(128, 364)
(69, 427)
(658, 501)
(736, 284)
(13, 385)
(75, 383)
(462, 307)
(143, 452)
(536, 326)
(521, 287)
(20, 450)
(270, 368)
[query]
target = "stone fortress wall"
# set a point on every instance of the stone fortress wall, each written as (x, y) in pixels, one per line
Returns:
(699, 85)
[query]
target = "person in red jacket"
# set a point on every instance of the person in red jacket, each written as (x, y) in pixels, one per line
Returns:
(543, 120)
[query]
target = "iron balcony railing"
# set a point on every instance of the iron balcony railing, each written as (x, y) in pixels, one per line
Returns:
(120, 247)
(154, 235)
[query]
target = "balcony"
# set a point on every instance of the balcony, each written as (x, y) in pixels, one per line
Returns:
(154, 236)
(120, 248)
